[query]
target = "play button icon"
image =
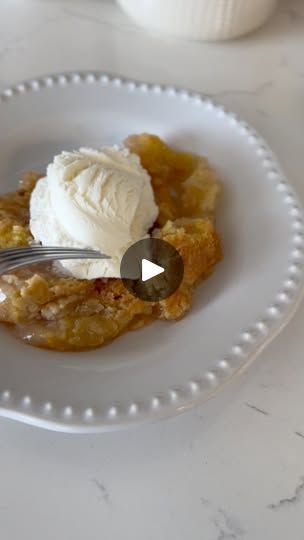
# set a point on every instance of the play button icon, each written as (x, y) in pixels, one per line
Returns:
(152, 269)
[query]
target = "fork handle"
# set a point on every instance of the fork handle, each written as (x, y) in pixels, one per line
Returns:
(33, 258)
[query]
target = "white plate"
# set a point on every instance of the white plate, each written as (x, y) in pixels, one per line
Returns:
(165, 368)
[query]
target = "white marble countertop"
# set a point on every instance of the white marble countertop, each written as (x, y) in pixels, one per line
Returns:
(234, 468)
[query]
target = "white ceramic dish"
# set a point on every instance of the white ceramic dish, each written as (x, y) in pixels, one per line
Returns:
(165, 368)
(200, 19)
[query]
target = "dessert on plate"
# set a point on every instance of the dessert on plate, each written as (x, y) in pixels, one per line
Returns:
(105, 199)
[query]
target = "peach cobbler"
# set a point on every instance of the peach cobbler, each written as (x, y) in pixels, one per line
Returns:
(76, 307)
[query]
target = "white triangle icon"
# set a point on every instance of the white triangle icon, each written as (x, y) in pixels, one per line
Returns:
(149, 270)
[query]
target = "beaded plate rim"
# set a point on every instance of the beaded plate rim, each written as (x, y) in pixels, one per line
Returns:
(247, 345)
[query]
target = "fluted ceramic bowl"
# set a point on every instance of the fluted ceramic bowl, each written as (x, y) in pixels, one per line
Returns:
(200, 19)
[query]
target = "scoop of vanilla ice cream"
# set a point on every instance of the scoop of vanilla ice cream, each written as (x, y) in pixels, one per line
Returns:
(101, 199)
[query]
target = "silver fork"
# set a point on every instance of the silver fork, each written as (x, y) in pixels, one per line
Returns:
(13, 258)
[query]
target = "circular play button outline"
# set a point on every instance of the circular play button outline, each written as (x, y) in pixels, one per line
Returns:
(152, 269)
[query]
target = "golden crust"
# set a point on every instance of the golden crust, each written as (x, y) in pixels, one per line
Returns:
(200, 246)
(63, 313)
(184, 184)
